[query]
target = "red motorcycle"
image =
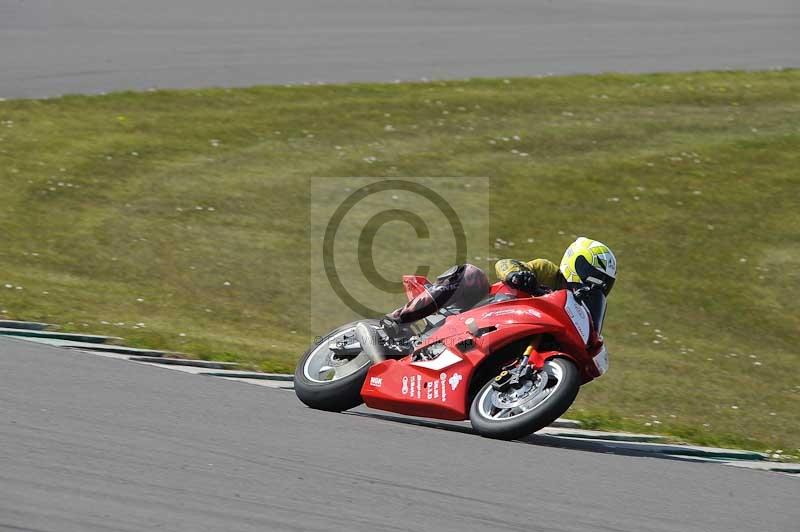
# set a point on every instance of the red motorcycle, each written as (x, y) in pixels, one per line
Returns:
(511, 364)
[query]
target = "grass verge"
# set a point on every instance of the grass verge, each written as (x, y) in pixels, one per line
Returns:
(177, 219)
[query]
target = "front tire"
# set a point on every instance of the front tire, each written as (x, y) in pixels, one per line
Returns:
(326, 382)
(540, 400)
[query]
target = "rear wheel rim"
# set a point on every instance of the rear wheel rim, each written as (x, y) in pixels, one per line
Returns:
(534, 393)
(323, 366)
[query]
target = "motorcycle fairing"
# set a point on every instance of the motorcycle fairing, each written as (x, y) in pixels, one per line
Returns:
(438, 388)
(406, 388)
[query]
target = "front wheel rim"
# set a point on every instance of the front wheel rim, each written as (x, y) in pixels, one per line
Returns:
(530, 396)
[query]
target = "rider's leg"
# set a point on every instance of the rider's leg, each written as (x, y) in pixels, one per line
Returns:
(460, 286)
(432, 299)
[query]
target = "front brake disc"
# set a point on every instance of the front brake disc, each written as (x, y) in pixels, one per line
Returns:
(515, 397)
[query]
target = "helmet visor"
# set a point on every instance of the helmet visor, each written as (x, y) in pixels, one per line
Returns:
(591, 275)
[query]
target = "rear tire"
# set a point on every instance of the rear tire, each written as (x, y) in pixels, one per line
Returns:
(554, 397)
(336, 394)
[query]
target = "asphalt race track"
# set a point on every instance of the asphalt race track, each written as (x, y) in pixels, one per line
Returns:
(50, 47)
(89, 443)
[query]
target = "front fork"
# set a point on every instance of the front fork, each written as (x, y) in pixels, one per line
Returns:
(518, 371)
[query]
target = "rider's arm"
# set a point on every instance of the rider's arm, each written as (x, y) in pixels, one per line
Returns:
(516, 274)
(547, 273)
(505, 267)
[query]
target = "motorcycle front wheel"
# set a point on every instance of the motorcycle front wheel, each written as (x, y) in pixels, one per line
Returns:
(328, 380)
(535, 403)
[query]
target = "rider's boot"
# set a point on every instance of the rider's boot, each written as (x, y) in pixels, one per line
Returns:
(400, 334)
(370, 341)
(397, 341)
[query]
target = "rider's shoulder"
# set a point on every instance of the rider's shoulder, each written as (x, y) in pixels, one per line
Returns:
(542, 264)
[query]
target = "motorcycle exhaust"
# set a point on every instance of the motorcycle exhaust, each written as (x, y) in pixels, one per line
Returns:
(370, 342)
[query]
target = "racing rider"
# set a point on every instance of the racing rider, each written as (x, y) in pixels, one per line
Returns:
(585, 263)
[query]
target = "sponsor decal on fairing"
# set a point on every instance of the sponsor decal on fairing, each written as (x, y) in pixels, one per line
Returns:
(454, 380)
(601, 360)
(412, 386)
(579, 316)
(435, 389)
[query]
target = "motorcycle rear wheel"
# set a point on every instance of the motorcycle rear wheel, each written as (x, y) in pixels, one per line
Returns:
(326, 382)
(540, 400)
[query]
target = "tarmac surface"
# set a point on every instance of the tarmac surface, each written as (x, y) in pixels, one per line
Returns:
(91, 443)
(51, 47)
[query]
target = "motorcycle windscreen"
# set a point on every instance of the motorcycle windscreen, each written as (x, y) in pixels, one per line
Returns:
(596, 302)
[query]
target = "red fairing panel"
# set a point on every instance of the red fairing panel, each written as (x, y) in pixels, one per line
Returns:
(518, 318)
(439, 388)
(436, 388)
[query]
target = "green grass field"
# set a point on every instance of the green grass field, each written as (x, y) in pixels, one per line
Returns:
(178, 219)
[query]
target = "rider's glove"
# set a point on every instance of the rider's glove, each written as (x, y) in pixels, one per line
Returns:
(525, 281)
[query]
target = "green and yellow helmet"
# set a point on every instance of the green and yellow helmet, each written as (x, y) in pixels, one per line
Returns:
(588, 261)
